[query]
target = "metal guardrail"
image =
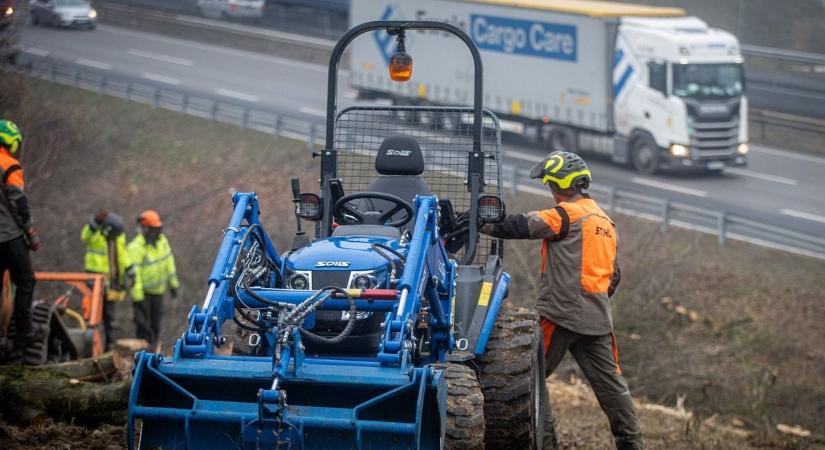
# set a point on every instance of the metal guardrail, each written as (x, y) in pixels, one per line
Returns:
(284, 124)
(668, 213)
(784, 55)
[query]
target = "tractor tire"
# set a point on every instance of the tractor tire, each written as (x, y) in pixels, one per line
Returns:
(511, 372)
(465, 408)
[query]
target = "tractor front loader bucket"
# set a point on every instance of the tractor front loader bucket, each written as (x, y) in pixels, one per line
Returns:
(219, 402)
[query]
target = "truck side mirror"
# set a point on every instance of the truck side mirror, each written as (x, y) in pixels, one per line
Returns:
(490, 209)
(309, 206)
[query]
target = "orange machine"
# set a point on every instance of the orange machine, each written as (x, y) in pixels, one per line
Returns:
(74, 323)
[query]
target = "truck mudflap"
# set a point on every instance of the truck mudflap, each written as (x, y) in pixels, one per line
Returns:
(217, 402)
(479, 295)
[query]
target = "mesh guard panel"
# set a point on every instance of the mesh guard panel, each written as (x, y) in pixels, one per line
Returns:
(445, 137)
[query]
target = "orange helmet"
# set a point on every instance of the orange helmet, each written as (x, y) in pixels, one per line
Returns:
(150, 218)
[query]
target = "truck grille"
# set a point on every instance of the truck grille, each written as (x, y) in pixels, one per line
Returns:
(323, 278)
(713, 139)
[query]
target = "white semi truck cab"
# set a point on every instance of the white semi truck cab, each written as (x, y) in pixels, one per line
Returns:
(643, 85)
(686, 106)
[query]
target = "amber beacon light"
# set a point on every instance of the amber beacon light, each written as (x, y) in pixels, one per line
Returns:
(400, 62)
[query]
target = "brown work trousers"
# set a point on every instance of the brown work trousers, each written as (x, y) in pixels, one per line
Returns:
(599, 360)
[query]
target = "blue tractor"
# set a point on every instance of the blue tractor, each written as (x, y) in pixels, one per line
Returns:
(389, 329)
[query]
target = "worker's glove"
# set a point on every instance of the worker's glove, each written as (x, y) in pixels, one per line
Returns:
(173, 292)
(32, 240)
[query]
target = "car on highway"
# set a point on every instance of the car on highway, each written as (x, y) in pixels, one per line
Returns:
(6, 13)
(232, 9)
(63, 13)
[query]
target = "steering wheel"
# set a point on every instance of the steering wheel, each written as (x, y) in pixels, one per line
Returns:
(374, 217)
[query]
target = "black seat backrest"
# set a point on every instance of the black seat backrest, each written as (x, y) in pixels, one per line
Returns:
(399, 163)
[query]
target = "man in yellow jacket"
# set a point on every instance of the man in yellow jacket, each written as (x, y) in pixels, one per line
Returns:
(106, 254)
(154, 267)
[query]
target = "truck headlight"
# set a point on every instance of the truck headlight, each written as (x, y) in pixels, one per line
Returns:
(9, 11)
(93, 14)
(742, 149)
(679, 151)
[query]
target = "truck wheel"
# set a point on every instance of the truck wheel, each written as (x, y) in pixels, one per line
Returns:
(562, 139)
(645, 155)
(465, 408)
(511, 372)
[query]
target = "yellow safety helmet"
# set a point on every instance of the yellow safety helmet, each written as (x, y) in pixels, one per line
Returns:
(10, 136)
(562, 171)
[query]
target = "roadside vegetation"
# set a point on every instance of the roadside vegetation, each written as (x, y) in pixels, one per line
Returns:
(727, 337)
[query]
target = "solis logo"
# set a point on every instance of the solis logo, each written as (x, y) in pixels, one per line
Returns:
(332, 264)
(392, 152)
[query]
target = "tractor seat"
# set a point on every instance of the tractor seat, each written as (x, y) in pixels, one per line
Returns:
(399, 164)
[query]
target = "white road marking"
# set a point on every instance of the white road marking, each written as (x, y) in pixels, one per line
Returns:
(668, 187)
(787, 154)
(223, 50)
(312, 111)
(523, 156)
(160, 78)
(160, 57)
(236, 94)
(93, 63)
(37, 51)
(762, 176)
(803, 215)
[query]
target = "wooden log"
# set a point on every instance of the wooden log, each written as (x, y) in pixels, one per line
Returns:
(130, 346)
(64, 392)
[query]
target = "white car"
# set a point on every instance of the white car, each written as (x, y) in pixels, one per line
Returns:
(63, 13)
(235, 9)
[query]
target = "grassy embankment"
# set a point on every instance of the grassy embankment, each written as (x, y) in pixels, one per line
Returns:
(732, 333)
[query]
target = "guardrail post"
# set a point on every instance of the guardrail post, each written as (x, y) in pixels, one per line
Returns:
(213, 114)
(184, 102)
(311, 139)
(76, 81)
(665, 215)
(245, 118)
(612, 196)
(156, 97)
(721, 223)
(101, 85)
(128, 92)
(51, 73)
(276, 126)
(513, 180)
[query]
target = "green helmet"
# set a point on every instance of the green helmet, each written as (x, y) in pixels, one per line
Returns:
(10, 136)
(562, 171)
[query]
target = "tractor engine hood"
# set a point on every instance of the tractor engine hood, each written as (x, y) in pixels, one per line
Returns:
(348, 253)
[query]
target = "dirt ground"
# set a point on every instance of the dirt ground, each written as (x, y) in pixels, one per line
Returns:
(730, 333)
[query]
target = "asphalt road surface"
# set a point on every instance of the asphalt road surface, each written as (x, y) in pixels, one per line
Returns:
(780, 188)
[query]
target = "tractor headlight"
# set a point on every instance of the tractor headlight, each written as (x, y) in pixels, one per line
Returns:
(363, 282)
(298, 281)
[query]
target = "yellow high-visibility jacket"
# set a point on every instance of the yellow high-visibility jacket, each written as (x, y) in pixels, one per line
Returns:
(154, 266)
(96, 258)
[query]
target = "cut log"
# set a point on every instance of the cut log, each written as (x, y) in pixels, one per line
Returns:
(64, 392)
(130, 346)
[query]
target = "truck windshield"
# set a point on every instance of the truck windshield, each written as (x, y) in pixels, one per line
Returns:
(707, 80)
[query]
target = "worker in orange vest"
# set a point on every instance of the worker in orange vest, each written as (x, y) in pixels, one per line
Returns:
(579, 274)
(17, 235)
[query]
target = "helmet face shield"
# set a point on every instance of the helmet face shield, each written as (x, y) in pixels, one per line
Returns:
(538, 170)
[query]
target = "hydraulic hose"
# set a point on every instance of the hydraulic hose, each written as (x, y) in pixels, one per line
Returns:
(347, 329)
(379, 248)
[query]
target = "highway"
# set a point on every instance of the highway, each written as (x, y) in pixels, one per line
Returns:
(779, 187)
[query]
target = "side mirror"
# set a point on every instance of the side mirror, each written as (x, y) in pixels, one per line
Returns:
(309, 206)
(490, 209)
